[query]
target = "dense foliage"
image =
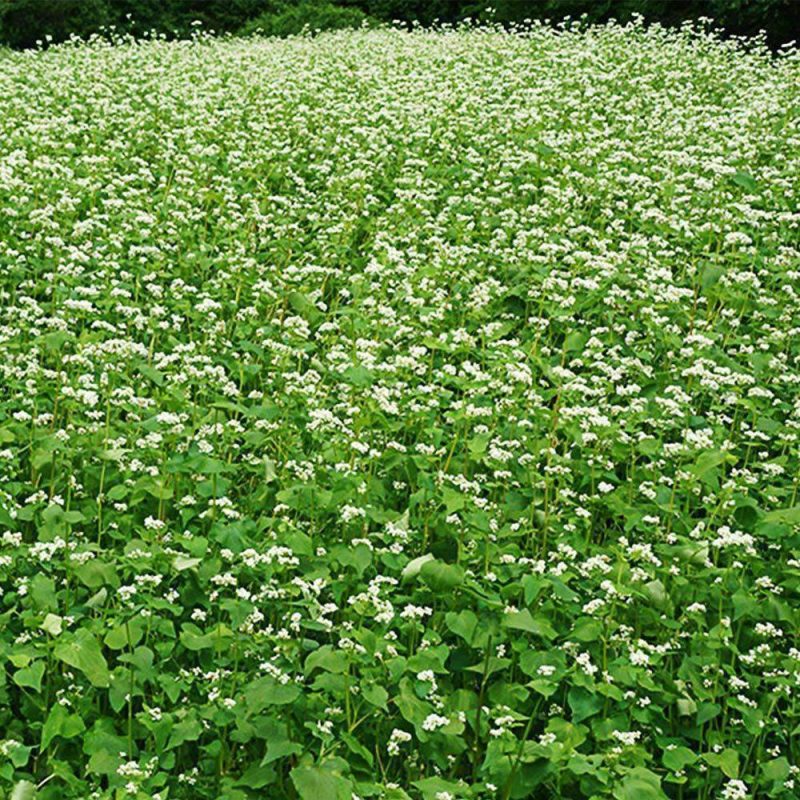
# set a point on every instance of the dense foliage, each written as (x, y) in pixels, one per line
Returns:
(24, 22)
(400, 414)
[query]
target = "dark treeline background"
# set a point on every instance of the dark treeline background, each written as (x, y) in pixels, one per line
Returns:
(23, 23)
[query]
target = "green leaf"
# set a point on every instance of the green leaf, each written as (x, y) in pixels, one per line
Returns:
(266, 691)
(61, 723)
(434, 787)
(23, 790)
(707, 711)
(677, 758)
(204, 465)
(477, 445)
(463, 624)
(788, 516)
(575, 341)
(187, 730)
(525, 621)
(18, 753)
(152, 374)
(52, 624)
(453, 500)
(281, 749)
(727, 761)
(256, 776)
(412, 569)
(706, 464)
(304, 307)
(584, 704)
(104, 763)
(656, 592)
(710, 275)
(640, 784)
(181, 563)
(395, 793)
(116, 638)
(118, 492)
(533, 586)
(358, 376)
(746, 512)
(376, 695)
(441, 577)
(270, 473)
(562, 591)
(358, 749)
(648, 446)
(98, 599)
(745, 181)
(586, 630)
(315, 783)
(156, 488)
(776, 770)
(41, 457)
(328, 659)
(686, 706)
(122, 636)
(83, 652)
(43, 592)
(30, 677)
(411, 708)
(96, 572)
(192, 638)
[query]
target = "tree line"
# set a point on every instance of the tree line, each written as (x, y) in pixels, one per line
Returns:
(29, 23)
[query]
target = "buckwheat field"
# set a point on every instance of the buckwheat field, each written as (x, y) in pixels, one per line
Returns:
(401, 415)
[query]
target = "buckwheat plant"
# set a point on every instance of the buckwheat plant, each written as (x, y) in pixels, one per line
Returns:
(401, 414)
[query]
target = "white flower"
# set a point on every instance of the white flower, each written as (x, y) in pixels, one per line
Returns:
(433, 722)
(734, 790)
(397, 738)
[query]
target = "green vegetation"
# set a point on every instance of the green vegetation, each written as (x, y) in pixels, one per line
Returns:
(295, 18)
(24, 22)
(391, 414)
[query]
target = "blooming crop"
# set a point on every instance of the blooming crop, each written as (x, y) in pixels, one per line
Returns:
(397, 415)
